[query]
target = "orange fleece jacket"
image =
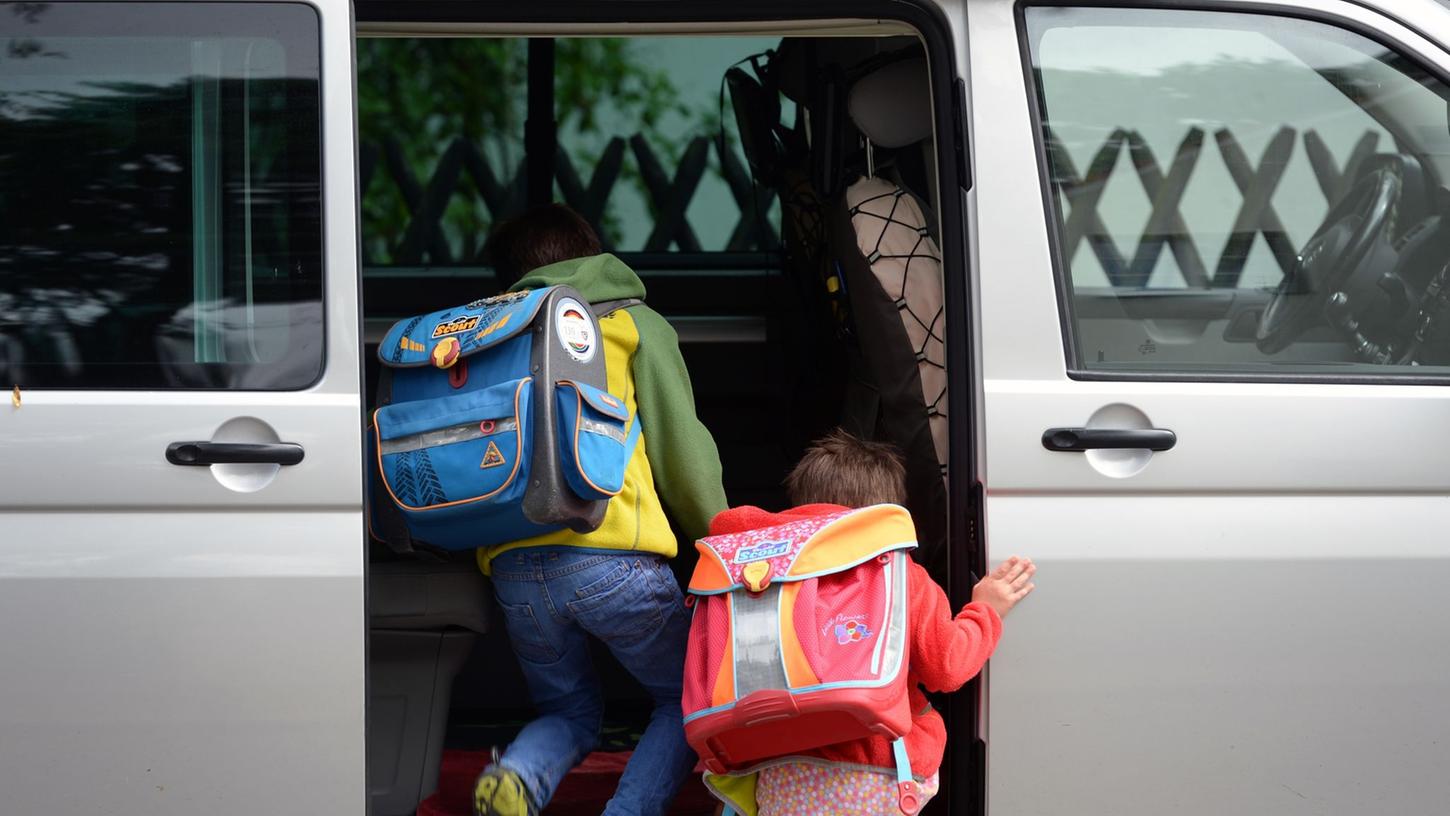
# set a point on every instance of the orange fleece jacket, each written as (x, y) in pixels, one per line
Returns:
(945, 651)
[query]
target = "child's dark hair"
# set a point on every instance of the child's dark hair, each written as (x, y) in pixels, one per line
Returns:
(841, 469)
(539, 237)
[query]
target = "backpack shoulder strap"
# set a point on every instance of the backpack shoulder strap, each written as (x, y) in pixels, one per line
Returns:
(609, 307)
(632, 438)
(908, 798)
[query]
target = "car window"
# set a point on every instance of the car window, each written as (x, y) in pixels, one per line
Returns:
(1242, 194)
(160, 210)
(442, 129)
(679, 188)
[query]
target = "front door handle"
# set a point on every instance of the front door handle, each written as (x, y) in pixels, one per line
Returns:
(1070, 440)
(233, 453)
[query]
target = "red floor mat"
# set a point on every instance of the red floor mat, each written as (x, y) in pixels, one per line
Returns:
(582, 793)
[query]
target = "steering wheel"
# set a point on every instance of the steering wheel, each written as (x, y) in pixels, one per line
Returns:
(1333, 256)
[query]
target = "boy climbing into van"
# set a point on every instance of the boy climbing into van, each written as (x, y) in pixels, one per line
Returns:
(614, 583)
(855, 778)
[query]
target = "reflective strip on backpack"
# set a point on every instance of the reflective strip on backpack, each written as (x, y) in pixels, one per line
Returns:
(894, 649)
(756, 633)
(446, 436)
(597, 427)
(890, 588)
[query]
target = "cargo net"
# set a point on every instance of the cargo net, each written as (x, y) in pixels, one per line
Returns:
(804, 240)
(891, 233)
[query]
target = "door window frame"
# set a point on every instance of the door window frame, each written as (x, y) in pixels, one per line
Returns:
(966, 759)
(1061, 272)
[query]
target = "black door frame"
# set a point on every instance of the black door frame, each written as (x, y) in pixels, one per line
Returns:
(966, 758)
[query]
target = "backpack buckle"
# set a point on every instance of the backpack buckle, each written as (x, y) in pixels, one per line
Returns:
(756, 576)
(447, 352)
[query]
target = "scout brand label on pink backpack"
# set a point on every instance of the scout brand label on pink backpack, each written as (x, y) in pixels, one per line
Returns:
(799, 640)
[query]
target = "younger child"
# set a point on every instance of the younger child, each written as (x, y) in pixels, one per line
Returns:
(839, 472)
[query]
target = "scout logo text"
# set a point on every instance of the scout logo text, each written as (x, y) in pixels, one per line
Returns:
(461, 324)
(761, 551)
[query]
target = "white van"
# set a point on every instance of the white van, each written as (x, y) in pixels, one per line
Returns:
(1189, 263)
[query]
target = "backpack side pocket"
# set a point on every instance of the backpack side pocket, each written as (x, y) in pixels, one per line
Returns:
(596, 439)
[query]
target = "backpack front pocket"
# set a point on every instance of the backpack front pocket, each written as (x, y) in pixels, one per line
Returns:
(473, 447)
(596, 439)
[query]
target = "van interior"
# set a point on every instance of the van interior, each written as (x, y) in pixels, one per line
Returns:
(777, 195)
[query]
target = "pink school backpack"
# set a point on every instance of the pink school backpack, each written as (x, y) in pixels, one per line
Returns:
(799, 640)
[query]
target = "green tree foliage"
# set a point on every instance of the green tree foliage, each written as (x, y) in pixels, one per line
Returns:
(423, 94)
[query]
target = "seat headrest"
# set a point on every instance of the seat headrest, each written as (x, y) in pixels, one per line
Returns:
(892, 105)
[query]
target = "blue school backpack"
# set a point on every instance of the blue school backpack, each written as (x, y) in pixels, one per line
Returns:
(493, 423)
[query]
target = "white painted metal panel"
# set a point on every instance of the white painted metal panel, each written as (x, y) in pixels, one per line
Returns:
(1254, 621)
(178, 640)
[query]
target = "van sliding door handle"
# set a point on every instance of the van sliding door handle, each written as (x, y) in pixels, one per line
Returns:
(233, 453)
(1070, 440)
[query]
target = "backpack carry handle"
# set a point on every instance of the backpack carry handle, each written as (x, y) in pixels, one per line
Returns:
(567, 346)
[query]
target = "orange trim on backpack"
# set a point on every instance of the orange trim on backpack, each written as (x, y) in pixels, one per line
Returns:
(710, 575)
(724, 691)
(518, 458)
(798, 672)
(854, 538)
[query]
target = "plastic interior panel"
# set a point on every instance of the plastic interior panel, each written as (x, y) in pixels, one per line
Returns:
(411, 680)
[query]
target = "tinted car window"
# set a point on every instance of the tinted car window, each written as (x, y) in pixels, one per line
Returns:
(1243, 194)
(160, 218)
(441, 124)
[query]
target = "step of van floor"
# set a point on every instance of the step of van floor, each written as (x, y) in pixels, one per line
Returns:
(582, 793)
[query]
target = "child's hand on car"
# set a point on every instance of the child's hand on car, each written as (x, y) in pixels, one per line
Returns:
(1008, 584)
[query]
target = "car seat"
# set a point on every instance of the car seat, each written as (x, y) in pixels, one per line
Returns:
(880, 235)
(857, 238)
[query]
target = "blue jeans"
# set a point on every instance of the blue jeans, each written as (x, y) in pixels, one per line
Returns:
(552, 598)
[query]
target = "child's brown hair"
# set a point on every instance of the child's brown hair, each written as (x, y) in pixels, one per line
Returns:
(841, 469)
(539, 237)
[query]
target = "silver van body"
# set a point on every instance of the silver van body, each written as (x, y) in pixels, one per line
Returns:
(192, 639)
(1251, 620)
(1209, 635)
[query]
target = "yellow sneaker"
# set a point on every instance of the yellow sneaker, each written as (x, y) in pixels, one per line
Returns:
(500, 792)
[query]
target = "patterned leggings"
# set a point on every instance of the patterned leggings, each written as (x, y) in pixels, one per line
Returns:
(810, 789)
